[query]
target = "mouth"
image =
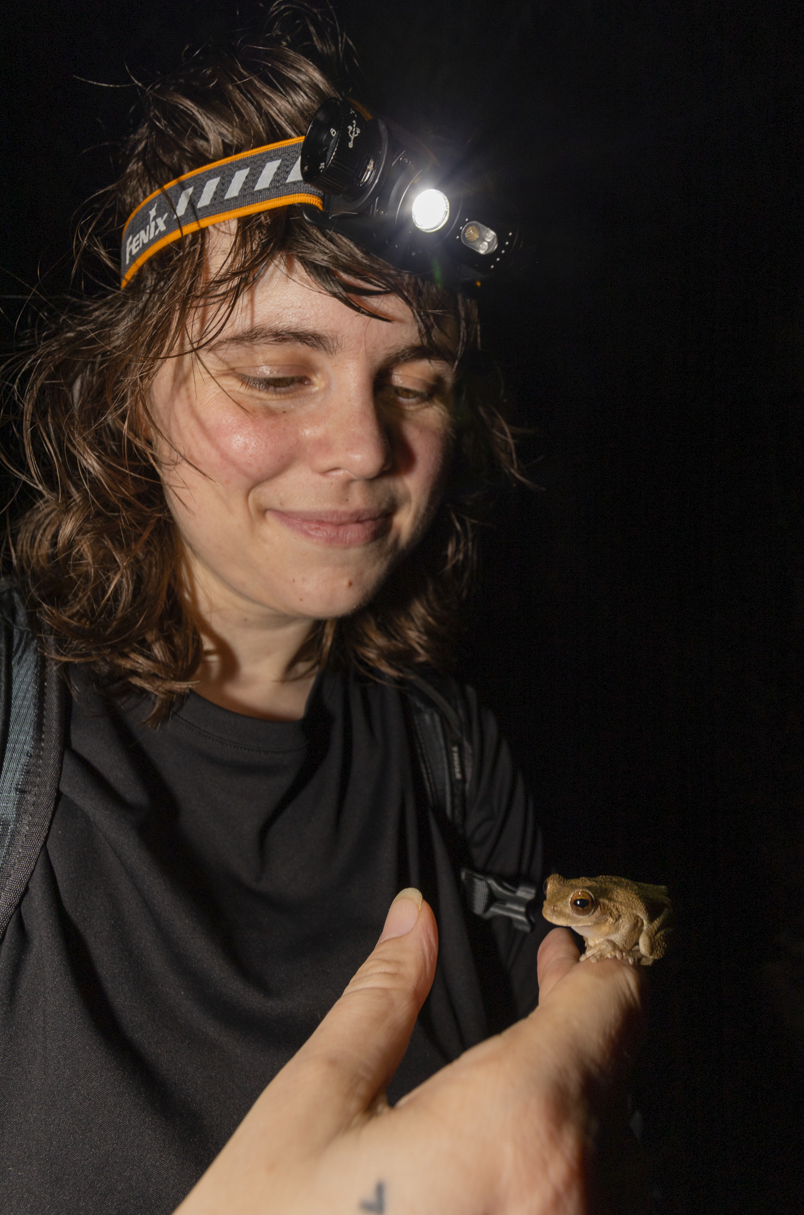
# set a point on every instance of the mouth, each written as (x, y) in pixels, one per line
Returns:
(340, 528)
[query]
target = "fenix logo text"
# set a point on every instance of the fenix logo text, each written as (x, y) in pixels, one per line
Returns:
(154, 225)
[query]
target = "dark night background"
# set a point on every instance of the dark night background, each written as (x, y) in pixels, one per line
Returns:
(638, 628)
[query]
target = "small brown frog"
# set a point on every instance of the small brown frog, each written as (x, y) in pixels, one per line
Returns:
(618, 918)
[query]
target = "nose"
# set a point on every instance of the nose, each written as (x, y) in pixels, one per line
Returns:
(352, 438)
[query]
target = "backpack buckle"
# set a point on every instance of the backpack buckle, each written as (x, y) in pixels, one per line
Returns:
(489, 896)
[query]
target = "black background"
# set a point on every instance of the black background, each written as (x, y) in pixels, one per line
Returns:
(638, 627)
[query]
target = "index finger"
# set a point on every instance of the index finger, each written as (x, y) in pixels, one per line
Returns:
(586, 1029)
(591, 1010)
(540, 1096)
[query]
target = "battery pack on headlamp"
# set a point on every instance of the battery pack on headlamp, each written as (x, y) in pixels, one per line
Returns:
(352, 173)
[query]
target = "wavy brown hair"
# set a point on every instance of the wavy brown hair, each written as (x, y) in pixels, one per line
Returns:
(98, 553)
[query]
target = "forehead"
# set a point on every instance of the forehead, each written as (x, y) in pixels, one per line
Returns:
(285, 301)
(285, 291)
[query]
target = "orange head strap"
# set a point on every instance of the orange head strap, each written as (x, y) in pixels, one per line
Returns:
(239, 185)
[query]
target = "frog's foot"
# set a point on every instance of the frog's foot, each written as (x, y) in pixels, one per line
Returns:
(601, 950)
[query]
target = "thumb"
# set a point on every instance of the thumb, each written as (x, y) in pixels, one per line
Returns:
(337, 1076)
(347, 1063)
(355, 1051)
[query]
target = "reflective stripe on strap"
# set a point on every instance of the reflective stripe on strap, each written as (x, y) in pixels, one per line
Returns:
(253, 181)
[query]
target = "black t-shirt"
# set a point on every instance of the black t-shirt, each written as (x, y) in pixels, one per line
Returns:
(206, 891)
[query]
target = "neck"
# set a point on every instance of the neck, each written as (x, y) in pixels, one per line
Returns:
(251, 661)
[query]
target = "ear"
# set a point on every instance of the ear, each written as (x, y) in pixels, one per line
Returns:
(141, 434)
(141, 426)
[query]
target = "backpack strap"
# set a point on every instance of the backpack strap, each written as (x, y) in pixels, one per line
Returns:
(32, 719)
(443, 748)
(441, 736)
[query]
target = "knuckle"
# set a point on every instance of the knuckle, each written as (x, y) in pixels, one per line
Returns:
(390, 969)
(383, 998)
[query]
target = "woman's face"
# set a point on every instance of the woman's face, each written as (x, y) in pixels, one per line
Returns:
(303, 450)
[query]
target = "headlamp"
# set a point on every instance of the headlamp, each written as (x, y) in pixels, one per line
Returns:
(386, 191)
(351, 173)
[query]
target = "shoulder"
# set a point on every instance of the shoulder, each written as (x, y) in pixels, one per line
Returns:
(494, 785)
(12, 605)
(433, 698)
(16, 624)
(435, 691)
(459, 705)
(455, 703)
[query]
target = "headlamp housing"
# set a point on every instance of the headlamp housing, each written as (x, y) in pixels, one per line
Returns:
(384, 190)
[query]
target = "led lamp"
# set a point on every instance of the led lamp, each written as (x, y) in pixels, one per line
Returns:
(430, 210)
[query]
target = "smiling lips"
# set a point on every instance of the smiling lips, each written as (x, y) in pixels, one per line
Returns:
(341, 528)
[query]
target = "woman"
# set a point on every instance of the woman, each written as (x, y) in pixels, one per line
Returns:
(256, 466)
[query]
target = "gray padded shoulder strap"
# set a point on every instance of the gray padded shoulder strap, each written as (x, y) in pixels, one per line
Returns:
(32, 715)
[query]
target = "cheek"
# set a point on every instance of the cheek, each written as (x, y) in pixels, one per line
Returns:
(232, 445)
(429, 451)
(243, 449)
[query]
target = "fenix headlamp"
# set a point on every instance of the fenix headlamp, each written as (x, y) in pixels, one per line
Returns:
(352, 173)
(387, 192)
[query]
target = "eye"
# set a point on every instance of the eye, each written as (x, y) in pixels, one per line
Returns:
(411, 386)
(275, 385)
(409, 394)
(582, 902)
(391, 394)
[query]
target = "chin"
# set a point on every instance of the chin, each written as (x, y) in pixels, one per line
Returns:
(334, 607)
(329, 602)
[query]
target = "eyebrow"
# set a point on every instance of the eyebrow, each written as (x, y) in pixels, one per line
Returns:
(278, 335)
(313, 339)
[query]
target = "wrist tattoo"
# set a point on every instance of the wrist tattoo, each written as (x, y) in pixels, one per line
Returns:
(377, 1203)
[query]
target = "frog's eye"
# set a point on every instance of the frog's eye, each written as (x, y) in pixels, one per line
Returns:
(582, 902)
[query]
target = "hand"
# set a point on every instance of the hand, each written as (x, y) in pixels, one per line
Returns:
(519, 1125)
